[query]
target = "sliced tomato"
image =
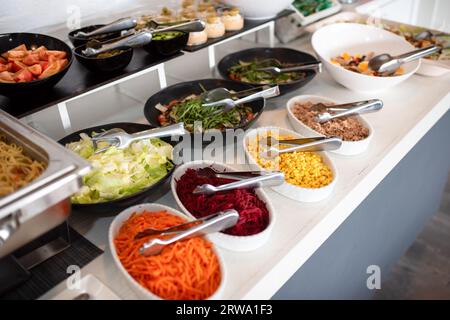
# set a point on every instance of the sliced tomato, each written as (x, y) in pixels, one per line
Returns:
(44, 64)
(3, 67)
(36, 69)
(52, 68)
(31, 59)
(57, 54)
(6, 76)
(3, 60)
(22, 47)
(41, 48)
(23, 76)
(17, 66)
(43, 55)
(63, 63)
(17, 54)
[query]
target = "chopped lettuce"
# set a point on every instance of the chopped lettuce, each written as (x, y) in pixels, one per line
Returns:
(118, 173)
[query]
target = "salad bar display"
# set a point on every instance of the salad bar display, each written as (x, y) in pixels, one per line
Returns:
(117, 169)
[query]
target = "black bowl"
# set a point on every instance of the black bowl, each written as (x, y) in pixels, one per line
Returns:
(167, 47)
(109, 64)
(79, 41)
(185, 89)
(11, 40)
(112, 207)
(284, 55)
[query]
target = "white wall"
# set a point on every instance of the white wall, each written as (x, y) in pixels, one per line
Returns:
(52, 15)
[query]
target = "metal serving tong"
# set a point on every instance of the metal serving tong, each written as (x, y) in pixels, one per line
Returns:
(385, 63)
(265, 180)
(302, 144)
(212, 223)
(237, 175)
(118, 25)
(121, 140)
(347, 109)
(229, 103)
(139, 39)
(316, 65)
(218, 94)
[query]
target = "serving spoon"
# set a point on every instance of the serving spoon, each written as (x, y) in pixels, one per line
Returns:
(385, 63)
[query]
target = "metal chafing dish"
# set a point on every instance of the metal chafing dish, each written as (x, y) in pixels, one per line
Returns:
(45, 203)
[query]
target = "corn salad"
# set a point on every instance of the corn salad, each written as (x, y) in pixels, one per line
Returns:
(303, 169)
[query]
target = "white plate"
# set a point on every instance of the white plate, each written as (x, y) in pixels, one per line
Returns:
(226, 241)
(90, 285)
(134, 285)
(347, 148)
(332, 40)
(286, 189)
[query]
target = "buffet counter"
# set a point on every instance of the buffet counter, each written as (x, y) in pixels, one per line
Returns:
(302, 229)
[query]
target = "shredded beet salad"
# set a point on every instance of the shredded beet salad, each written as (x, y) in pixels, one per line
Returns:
(253, 214)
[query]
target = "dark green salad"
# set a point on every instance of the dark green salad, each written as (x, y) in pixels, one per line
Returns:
(198, 118)
(247, 71)
(308, 7)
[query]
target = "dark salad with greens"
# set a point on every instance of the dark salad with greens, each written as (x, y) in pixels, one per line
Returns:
(247, 71)
(308, 7)
(198, 118)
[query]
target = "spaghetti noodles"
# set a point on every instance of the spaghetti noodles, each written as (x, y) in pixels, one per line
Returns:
(184, 270)
(16, 169)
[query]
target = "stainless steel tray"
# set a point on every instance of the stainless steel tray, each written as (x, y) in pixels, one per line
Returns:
(44, 203)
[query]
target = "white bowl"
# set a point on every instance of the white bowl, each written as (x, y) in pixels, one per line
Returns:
(261, 9)
(286, 189)
(335, 39)
(134, 285)
(226, 241)
(347, 148)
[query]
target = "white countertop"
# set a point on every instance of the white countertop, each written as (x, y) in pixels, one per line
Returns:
(410, 110)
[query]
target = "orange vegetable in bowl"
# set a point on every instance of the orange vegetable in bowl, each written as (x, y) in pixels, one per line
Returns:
(22, 65)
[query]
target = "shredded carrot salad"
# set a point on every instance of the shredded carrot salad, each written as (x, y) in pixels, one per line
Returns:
(184, 270)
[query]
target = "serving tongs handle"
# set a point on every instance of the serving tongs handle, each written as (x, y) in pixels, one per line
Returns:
(266, 94)
(195, 25)
(118, 25)
(352, 108)
(265, 180)
(172, 130)
(215, 223)
(138, 39)
(305, 145)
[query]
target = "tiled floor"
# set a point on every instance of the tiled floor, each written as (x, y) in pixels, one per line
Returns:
(424, 271)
